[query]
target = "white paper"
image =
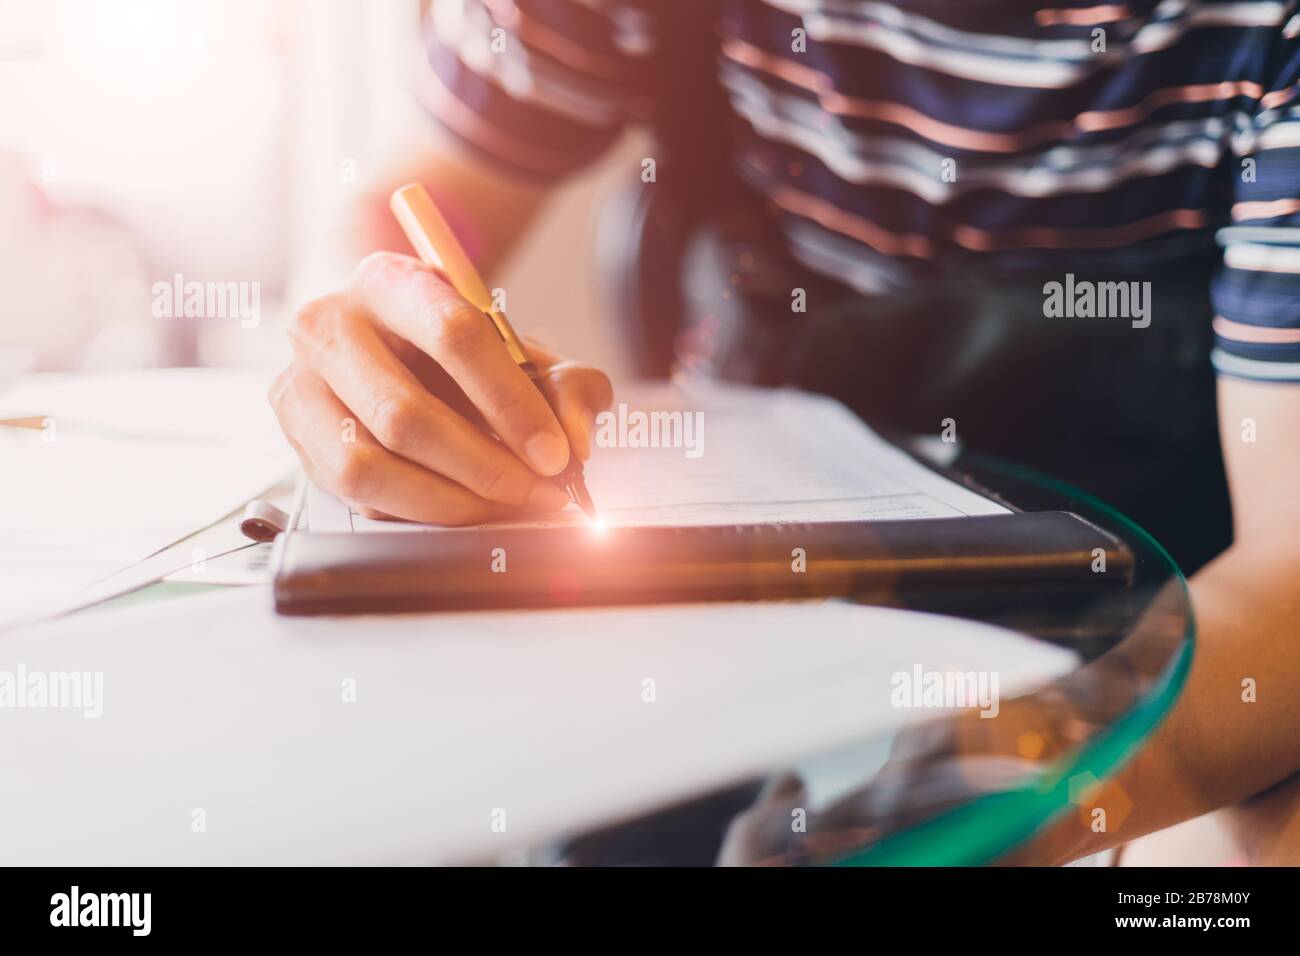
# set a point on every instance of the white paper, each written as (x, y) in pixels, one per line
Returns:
(393, 739)
(249, 563)
(764, 456)
(133, 463)
(181, 404)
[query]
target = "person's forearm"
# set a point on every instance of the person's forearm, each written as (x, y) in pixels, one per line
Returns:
(1235, 729)
(488, 210)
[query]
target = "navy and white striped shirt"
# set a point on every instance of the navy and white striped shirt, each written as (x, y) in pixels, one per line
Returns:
(1126, 135)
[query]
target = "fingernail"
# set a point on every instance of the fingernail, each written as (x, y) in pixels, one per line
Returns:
(547, 453)
(547, 497)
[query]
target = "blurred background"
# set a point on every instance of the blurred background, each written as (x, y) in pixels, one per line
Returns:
(215, 139)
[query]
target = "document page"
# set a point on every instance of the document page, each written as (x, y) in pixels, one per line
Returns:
(124, 465)
(537, 711)
(713, 454)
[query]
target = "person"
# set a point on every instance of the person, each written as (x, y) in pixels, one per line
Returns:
(1069, 229)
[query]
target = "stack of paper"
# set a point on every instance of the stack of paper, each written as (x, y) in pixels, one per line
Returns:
(120, 466)
(734, 455)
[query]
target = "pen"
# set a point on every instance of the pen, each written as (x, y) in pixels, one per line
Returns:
(438, 248)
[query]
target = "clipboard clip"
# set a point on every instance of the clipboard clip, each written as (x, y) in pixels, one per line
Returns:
(262, 521)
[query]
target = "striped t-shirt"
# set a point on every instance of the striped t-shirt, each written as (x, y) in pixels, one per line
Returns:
(898, 139)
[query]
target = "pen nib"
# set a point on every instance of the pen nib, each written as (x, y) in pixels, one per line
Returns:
(582, 498)
(574, 483)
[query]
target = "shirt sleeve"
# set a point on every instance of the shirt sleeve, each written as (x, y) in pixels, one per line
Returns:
(540, 87)
(1256, 291)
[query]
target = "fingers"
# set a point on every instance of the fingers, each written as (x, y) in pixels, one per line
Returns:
(420, 307)
(394, 352)
(340, 344)
(361, 471)
(577, 394)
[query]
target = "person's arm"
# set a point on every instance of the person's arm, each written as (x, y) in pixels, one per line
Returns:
(1247, 604)
(1220, 744)
(418, 372)
(489, 209)
(519, 100)
(398, 386)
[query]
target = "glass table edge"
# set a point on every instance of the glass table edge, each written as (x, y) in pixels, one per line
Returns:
(961, 836)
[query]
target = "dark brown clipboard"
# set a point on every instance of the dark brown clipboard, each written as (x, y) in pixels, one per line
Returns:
(499, 568)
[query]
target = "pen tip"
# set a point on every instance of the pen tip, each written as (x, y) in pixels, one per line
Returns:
(582, 498)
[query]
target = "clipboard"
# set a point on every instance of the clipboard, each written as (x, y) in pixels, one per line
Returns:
(841, 512)
(885, 562)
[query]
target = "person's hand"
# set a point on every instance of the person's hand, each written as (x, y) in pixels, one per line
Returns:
(397, 387)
